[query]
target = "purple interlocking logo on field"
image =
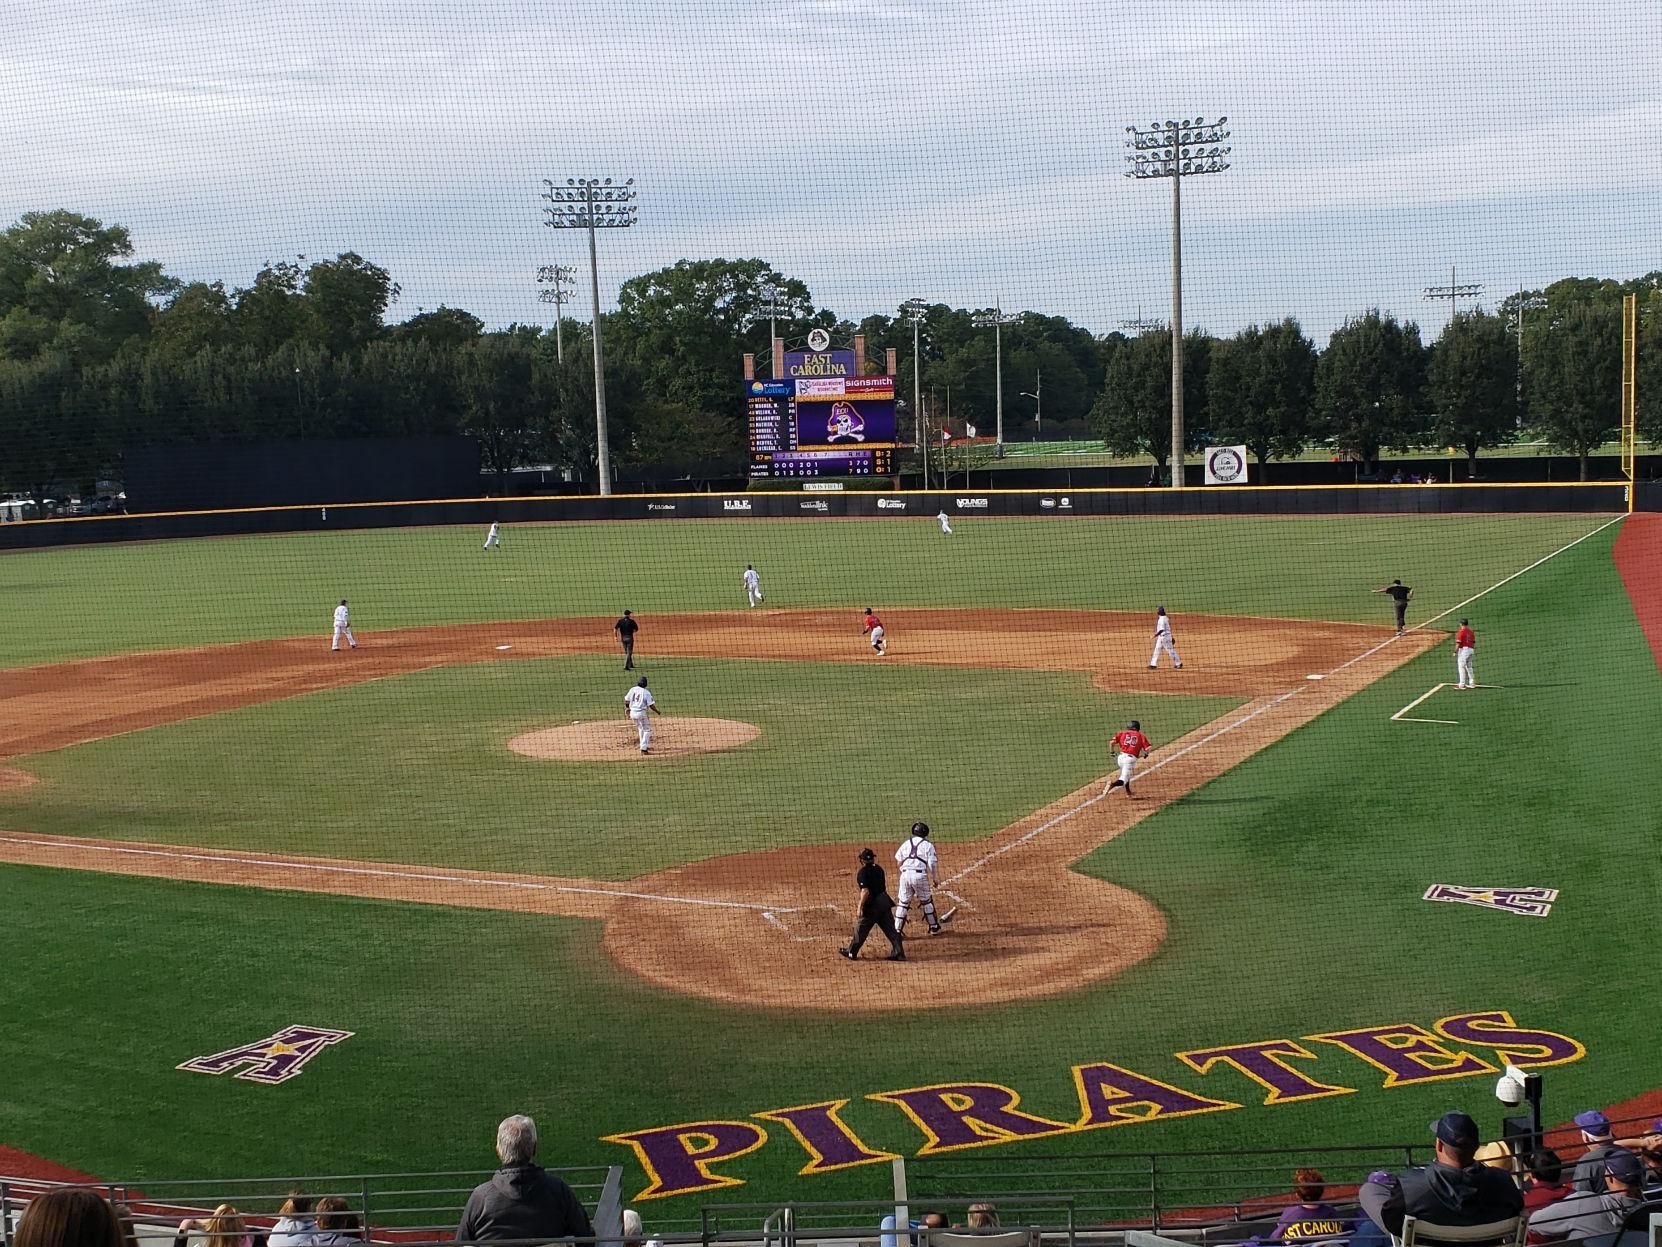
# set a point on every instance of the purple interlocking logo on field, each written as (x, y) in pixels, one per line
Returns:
(276, 1058)
(1531, 902)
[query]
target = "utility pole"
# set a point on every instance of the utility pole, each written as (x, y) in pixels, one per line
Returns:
(591, 204)
(562, 275)
(997, 319)
(1176, 150)
(915, 310)
(1037, 395)
(1453, 292)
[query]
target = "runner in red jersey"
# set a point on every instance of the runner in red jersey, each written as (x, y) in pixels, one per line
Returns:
(1132, 745)
(874, 628)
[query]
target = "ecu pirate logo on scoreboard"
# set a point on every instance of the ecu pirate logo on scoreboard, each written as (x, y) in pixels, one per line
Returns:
(276, 1058)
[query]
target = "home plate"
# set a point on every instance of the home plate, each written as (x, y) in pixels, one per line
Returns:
(504, 647)
(1315, 677)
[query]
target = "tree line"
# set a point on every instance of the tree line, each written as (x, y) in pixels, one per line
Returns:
(100, 352)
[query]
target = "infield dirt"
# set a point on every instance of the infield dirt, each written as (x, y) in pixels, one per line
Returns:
(761, 929)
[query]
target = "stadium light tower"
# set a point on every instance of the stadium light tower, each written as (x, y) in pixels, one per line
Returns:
(591, 204)
(997, 319)
(1177, 150)
(1454, 292)
(915, 310)
(562, 275)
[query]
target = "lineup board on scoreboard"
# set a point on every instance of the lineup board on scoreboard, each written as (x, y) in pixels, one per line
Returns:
(822, 426)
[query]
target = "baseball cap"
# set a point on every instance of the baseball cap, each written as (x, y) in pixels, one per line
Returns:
(1626, 1167)
(1456, 1129)
(1593, 1122)
(1656, 1126)
(866, 855)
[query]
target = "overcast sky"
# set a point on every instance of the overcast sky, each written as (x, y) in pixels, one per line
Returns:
(965, 151)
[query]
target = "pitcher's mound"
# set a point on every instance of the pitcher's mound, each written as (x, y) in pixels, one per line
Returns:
(615, 740)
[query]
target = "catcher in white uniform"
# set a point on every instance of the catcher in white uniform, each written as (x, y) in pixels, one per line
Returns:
(1162, 640)
(920, 874)
(343, 626)
(637, 702)
(752, 584)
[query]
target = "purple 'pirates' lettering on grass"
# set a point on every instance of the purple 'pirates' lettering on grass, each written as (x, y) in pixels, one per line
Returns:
(824, 1135)
(1110, 1095)
(276, 1058)
(968, 1114)
(1265, 1063)
(677, 1159)
(1513, 1044)
(1407, 1054)
(1531, 902)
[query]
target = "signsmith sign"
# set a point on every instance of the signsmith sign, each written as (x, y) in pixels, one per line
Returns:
(692, 1156)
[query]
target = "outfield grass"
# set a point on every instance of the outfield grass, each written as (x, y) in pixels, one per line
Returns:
(1291, 885)
(94, 600)
(417, 769)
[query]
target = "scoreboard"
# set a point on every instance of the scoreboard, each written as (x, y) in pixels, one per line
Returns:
(821, 426)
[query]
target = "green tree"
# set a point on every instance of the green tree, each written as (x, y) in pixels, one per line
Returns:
(343, 301)
(1133, 413)
(269, 312)
(1474, 385)
(1574, 379)
(498, 404)
(196, 318)
(63, 291)
(442, 327)
(1262, 391)
(1370, 383)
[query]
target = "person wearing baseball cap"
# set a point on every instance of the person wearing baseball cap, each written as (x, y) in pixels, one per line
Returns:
(876, 909)
(1453, 1190)
(1587, 1214)
(1595, 1133)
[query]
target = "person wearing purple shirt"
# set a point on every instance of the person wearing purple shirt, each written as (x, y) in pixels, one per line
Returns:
(1309, 1220)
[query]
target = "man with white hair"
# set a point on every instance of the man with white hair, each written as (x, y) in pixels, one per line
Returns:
(522, 1199)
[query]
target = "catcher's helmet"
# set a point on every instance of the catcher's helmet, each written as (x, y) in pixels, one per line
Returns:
(1136, 726)
(920, 828)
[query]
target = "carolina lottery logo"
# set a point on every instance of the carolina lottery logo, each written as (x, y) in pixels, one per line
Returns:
(276, 1058)
(1531, 902)
(891, 504)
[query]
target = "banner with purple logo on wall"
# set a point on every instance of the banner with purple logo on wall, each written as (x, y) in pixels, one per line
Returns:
(845, 422)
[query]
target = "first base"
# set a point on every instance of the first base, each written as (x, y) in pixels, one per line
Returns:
(504, 647)
(1315, 677)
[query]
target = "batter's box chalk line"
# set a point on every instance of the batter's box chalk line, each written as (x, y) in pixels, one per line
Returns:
(786, 921)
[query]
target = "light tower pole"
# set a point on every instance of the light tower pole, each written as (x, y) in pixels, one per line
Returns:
(997, 319)
(591, 204)
(561, 275)
(1454, 292)
(915, 310)
(775, 305)
(1176, 150)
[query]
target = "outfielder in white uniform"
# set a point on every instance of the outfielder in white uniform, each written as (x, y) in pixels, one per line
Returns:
(637, 703)
(494, 537)
(1162, 640)
(752, 584)
(343, 627)
(946, 529)
(920, 874)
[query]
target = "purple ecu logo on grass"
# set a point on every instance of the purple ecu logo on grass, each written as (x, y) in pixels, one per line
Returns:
(1531, 902)
(276, 1058)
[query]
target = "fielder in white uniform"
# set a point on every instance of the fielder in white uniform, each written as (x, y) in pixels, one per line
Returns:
(343, 627)
(637, 703)
(946, 528)
(494, 537)
(1162, 640)
(752, 584)
(920, 874)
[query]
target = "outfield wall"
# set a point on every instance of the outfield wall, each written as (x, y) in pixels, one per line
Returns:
(1479, 499)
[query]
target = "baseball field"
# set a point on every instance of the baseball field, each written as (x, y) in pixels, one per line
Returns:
(402, 891)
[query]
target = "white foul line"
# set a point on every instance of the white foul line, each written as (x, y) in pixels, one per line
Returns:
(1230, 727)
(527, 885)
(1398, 716)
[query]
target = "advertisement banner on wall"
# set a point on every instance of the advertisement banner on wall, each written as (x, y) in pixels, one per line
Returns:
(1226, 465)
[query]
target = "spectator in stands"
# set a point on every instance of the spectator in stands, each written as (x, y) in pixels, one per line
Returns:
(1545, 1183)
(129, 1228)
(634, 1234)
(1396, 477)
(983, 1216)
(69, 1216)
(1648, 1147)
(295, 1227)
(1452, 1190)
(1309, 1218)
(926, 1221)
(337, 1224)
(1589, 1213)
(1595, 1133)
(225, 1228)
(522, 1199)
(1498, 1155)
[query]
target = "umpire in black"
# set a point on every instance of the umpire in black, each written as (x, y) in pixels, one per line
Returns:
(876, 909)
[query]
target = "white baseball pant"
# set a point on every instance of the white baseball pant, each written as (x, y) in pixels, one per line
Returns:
(343, 630)
(1464, 676)
(877, 638)
(914, 885)
(1162, 644)
(755, 595)
(1128, 763)
(643, 729)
